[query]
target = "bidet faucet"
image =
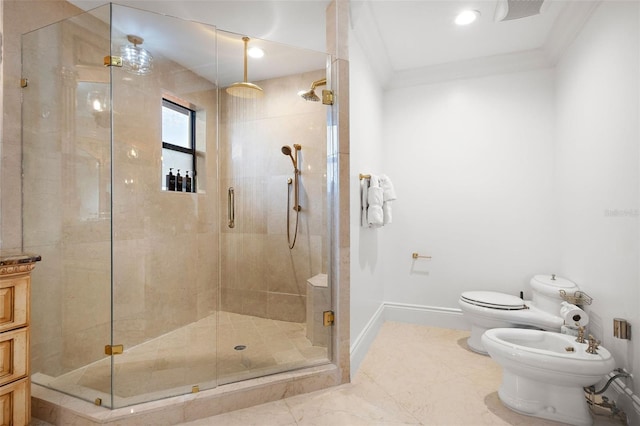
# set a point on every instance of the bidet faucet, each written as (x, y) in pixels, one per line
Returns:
(580, 338)
(593, 345)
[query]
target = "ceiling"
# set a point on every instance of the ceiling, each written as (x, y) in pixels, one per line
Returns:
(296, 22)
(407, 42)
(414, 42)
(420, 34)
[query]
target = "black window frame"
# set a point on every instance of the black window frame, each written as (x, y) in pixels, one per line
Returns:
(192, 137)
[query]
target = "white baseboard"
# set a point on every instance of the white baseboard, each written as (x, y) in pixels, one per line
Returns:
(433, 316)
(363, 342)
(402, 312)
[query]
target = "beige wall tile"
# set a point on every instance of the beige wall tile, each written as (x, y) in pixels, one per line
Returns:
(252, 162)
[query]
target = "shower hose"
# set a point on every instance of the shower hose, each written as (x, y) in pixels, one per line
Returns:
(297, 209)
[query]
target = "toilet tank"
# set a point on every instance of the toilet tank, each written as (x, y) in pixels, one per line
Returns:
(546, 292)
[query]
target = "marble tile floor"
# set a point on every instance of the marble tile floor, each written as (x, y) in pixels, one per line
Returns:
(412, 375)
(171, 364)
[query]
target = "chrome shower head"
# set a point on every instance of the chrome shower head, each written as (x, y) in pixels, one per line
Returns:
(310, 95)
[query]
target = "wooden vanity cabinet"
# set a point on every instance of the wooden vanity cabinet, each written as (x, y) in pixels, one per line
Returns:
(15, 384)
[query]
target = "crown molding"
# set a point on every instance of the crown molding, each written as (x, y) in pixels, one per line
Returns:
(471, 68)
(567, 27)
(564, 31)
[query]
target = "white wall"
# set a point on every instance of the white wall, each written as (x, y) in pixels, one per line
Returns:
(366, 122)
(472, 164)
(597, 154)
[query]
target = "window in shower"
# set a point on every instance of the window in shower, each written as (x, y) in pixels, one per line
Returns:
(178, 147)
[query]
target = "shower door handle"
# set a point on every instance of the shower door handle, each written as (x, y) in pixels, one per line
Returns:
(231, 207)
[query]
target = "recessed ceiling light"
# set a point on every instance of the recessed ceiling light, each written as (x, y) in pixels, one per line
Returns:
(256, 52)
(466, 17)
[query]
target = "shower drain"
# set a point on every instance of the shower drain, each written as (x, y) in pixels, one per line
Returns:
(240, 347)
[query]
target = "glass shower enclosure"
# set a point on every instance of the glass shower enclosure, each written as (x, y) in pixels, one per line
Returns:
(159, 204)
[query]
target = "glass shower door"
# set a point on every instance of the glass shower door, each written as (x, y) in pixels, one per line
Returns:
(66, 142)
(165, 269)
(273, 292)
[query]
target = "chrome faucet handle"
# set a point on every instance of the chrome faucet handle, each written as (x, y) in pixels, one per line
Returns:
(580, 338)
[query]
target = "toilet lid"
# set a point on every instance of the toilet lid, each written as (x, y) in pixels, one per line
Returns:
(494, 300)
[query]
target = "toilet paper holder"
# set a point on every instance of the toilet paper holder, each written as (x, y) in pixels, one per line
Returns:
(621, 329)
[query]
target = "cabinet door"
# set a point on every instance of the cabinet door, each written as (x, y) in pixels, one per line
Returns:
(15, 403)
(14, 354)
(14, 302)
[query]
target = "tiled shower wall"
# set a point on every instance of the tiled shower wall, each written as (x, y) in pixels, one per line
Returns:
(261, 276)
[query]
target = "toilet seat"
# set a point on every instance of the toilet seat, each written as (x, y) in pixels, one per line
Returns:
(485, 310)
(494, 300)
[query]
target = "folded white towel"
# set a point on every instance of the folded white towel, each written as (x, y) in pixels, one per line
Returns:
(386, 212)
(364, 190)
(375, 196)
(375, 216)
(387, 186)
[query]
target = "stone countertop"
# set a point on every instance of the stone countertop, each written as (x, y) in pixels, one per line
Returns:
(15, 257)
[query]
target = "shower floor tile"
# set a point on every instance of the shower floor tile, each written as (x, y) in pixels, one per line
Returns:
(161, 367)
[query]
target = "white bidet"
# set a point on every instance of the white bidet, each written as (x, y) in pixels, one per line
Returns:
(544, 372)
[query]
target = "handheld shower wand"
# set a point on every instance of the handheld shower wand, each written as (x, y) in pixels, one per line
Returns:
(293, 154)
(286, 150)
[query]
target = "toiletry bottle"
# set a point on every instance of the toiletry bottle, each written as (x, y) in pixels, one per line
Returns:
(187, 182)
(171, 181)
(178, 181)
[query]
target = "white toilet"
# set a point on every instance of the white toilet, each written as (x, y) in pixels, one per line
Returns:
(543, 373)
(485, 310)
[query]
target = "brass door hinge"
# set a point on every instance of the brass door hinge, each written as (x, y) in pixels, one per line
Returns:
(98, 401)
(327, 97)
(112, 61)
(24, 82)
(113, 349)
(328, 318)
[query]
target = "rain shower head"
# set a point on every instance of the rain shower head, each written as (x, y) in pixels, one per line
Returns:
(245, 89)
(310, 95)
